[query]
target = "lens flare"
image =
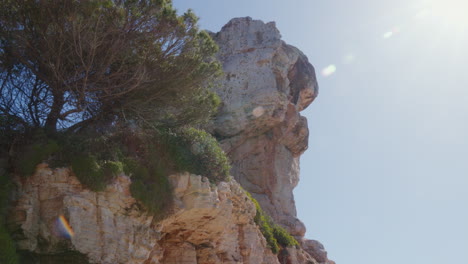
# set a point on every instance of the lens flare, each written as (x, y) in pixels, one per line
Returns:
(349, 58)
(258, 111)
(391, 33)
(387, 35)
(329, 70)
(64, 227)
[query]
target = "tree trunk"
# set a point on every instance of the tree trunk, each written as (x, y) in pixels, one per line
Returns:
(54, 114)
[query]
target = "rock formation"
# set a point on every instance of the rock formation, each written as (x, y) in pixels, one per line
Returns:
(209, 224)
(266, 84)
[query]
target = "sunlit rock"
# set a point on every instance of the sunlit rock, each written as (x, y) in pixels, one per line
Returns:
(267, 82)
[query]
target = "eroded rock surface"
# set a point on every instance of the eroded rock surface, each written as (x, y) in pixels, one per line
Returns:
(209, 224)
(267, 83)
(108, 226)
(212, 225)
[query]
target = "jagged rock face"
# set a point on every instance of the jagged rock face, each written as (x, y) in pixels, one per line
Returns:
(317, 251)
(209, 224)
(266, 84)
(212, 225)
(108, 226)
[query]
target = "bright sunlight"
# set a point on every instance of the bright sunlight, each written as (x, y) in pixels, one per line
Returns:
(448, 13)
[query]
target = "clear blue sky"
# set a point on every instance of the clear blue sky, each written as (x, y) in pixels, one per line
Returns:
(385, 178)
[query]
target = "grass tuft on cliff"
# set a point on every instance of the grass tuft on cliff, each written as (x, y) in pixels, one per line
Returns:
(275, 235)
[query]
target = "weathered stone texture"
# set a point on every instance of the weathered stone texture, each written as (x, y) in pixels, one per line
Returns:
(108, 226)
(209, 224)
(267, 83)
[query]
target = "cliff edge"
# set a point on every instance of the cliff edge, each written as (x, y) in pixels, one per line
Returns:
(266, 84)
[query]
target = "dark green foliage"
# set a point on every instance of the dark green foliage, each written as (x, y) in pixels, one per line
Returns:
(197, 152)
(7, 246)
(67, 62)
(149, 185)
(67, 257)
(274, 234)
(88, 171)
(93, 158)
(133, 167)
(155, 193)
(111, 168)
(35, 154)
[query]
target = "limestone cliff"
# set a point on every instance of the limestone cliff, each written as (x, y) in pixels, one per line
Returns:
(266, 84)
(209, 224)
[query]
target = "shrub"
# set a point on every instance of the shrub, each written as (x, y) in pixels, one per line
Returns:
(7, 246)
(196, 151)
(94, 175)
(150, 186)
(34, 155)
(168, 151)
(274, 234)
(87, 170)
(283, 237)
(111, 169)
(96, 157)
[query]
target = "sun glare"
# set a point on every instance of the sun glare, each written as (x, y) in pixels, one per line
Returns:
(450, 13)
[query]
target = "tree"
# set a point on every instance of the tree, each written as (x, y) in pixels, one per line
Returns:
(66, 63)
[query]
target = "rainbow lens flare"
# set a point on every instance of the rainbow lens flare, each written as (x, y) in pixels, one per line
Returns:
(329, 70)
(391, 33)
(64, 227)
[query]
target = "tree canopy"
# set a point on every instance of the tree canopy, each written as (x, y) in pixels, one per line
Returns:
(68, 63)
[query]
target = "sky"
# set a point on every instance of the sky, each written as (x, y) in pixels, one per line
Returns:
(385, 177)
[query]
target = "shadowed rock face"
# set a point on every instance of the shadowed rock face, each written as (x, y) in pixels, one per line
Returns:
(267, 83)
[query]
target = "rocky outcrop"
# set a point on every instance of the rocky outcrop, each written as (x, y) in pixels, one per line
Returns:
(108, 226)
(209, 224)
(212, 225)
(266, 84)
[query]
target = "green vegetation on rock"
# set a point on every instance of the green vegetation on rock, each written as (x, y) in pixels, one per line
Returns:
(33, 152)
(147, 157)
(7, 246)
(198, 152)
(274, 234)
